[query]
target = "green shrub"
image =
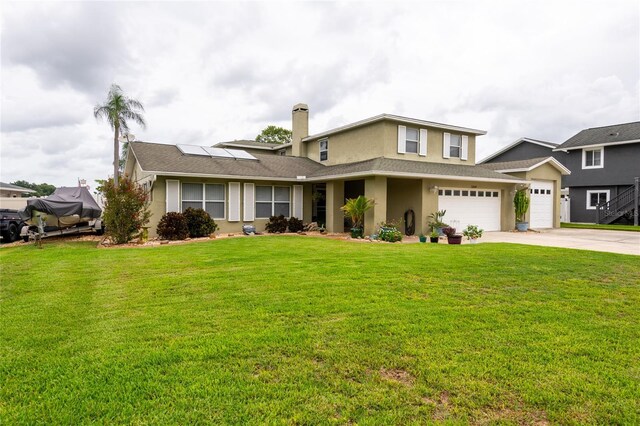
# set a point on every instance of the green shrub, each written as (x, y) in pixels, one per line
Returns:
(125, 209)
(295, 225)
(391, 235)
(277, 224)
(199, 223)
(173, 226)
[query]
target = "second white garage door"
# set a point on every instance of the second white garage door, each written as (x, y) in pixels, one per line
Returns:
(541, 194)
(470, 207)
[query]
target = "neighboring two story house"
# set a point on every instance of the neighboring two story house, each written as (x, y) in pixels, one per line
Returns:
(604, 164)
(600, 187)
(404, 164)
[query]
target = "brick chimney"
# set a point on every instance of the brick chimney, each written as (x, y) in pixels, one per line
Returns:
(299, 129)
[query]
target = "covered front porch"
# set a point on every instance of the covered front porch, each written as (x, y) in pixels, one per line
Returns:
(486, 202)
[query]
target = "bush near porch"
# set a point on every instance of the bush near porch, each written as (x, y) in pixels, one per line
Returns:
(304, 330)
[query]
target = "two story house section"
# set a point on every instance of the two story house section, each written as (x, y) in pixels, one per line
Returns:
(409, 167)
(604, 164)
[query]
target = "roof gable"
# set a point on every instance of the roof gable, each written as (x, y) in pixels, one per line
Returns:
(396, 118)
(545, 144)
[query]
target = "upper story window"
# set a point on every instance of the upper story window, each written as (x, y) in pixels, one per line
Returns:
(455, 146)
(412, 140)
(324, 149)
(593, 158)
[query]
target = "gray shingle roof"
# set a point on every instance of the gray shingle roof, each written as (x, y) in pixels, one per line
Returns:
(392, 165)
(154, 157)
(12, 187)
(163, 158)
(516, 164)
(603, 135)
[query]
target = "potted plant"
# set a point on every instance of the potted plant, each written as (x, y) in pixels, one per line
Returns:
(434, 236)
(452, 237)
(356, 208)
(423, 238)
(436, 223)
(472, 232)
(521, 204)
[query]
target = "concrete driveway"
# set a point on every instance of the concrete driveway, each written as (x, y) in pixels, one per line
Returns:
(585, 239)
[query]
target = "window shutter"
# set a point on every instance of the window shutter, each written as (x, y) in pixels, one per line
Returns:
(464, 149)
(423, 142)
(234, 201)
(173, 196)
(402, 139)
(446, 145)
(249, 202)
(297, 201)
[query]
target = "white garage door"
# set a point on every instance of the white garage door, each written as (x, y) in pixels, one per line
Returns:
(541, 209)
(470, 207)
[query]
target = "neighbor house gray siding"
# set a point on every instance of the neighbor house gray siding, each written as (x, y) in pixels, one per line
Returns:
(524, 151)
(621, 165)
(578, 201)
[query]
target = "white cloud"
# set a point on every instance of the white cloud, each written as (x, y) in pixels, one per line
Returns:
(218, 71)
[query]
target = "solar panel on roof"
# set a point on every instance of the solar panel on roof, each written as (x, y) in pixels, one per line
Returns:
(239, 153)
(218, 152)
(215, 152)
(192, 149)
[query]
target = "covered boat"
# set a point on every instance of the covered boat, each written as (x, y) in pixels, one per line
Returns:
(64, 209)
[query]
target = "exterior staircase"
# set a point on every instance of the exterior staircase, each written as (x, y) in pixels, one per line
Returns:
(626, 202)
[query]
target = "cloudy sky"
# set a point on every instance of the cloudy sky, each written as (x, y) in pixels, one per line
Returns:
(214, 71)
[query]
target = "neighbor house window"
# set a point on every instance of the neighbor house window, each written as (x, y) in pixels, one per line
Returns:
(324, 149)
(597, 197)
(456, 143)
(593, 158)
(273, 201)
(209, 197)
(413, 140)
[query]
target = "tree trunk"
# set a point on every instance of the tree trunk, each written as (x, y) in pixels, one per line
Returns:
(116, 156)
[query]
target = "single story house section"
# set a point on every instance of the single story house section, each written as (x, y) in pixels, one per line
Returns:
(544, 189)
(408, 166)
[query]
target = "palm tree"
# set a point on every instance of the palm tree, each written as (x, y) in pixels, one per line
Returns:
(117, 109)
(356, 208)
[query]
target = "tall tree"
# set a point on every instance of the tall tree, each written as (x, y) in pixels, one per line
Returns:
(117, 110)
(274, 134)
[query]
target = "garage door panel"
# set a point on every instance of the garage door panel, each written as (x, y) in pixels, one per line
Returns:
(471, 207)
(541, 207)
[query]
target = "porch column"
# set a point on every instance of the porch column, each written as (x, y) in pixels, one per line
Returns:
(425, 209)
(375, 188)
(335, 200)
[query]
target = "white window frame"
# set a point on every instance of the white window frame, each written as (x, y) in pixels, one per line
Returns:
(273, 201)
(597, 191)
(325, 150)
(417, 141)
(204, 198)
(451, 145)
(584, 157)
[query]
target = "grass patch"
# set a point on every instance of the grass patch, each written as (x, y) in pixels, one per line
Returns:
(306, 330)
(596, 226)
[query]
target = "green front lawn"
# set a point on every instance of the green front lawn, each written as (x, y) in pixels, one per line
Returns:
(596, 226)
(311, 330)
